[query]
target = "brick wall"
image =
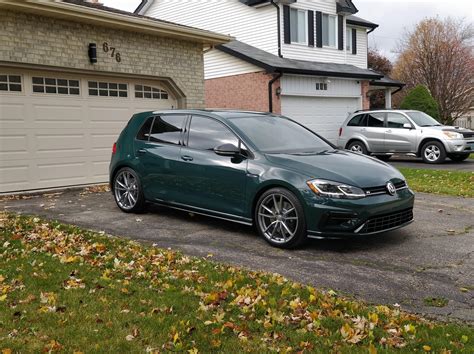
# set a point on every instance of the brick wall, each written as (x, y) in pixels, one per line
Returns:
(246, 91)
(364, 87)
(31, 39)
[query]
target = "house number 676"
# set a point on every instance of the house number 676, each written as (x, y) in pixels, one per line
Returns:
(113, 52)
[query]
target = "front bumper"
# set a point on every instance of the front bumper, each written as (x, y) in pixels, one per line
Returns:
(459, 146)
(331, 218)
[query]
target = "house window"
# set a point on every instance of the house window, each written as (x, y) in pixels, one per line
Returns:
(107, 89)
(321, 86)
(349, 39)
(10, 83)
(55, 86)
(142, 91)
(298, 26)
(329, 30)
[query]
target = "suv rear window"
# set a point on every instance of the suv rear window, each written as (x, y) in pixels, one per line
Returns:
(358, 121)
(375, 119)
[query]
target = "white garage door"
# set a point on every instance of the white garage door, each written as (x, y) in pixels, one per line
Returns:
(323, 115)
(57, 129)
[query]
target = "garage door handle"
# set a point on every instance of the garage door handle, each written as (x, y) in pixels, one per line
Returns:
(141, 151)
(186, 158)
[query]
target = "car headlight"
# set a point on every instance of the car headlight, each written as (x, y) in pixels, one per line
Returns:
(337, 190)
(453, 135)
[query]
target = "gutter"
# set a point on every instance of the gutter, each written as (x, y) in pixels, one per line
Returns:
(279, 27)
(270, 91)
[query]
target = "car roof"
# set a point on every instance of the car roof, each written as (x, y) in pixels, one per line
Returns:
(385, 110)
(222, 113)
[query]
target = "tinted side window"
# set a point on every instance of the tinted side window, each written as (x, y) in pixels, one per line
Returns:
(358, 121)
(396, 120)
(375, 119)
(206, 134)
(167, 129)
(144, 131)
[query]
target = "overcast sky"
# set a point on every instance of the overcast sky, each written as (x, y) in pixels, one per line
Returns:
(393, 16)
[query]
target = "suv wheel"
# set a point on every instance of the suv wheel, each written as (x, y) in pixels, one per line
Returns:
(358, 147)
(128, 192)
(279, 218)
(458, 157)
(433, 152)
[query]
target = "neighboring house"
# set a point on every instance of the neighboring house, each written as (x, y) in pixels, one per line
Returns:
(306, 59)
(61, 110)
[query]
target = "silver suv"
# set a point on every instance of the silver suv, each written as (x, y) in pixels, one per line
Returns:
(385, 132)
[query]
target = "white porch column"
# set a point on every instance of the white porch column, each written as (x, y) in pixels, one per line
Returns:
(388, 98)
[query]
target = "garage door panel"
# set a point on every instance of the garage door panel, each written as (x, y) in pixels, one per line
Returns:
(323, 115)
(54, 140)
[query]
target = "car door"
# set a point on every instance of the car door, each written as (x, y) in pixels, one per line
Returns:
(375, 131)
(157, 147)
(397, 137)
(207, 180)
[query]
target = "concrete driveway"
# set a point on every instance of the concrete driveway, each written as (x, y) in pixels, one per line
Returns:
(433, 257)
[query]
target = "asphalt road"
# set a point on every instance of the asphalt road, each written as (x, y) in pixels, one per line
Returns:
(433, 257)
(415, 162)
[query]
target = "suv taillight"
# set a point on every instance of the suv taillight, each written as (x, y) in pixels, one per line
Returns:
(340, 131)
(114, 148)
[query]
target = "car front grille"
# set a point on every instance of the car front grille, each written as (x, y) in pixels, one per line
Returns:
(468, 135)
(387, 221)
(383, 189)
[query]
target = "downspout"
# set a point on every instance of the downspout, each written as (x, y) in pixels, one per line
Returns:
(279, 27)
(270, 91)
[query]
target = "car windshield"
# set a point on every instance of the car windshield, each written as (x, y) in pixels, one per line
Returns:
(273, 134)
(422, 119)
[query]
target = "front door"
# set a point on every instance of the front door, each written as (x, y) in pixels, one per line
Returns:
(398, 138)
(157, 146)
(207, 180)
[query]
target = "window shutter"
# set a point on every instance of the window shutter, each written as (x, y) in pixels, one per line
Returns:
(311, 28)
(286, 24)
(340, 32)
(354, 41)
(319, 29)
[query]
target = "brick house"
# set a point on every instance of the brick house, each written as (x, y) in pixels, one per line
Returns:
(306, 59)
(71, 75)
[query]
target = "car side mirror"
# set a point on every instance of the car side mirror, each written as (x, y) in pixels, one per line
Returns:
(407, 126)
(227, 150)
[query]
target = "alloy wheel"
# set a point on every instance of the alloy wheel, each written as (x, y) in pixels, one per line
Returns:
(356, 148)
(126, 190)
(432, 153)
(278, 218)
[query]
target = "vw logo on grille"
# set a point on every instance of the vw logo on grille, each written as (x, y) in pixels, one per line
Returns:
(391, 188)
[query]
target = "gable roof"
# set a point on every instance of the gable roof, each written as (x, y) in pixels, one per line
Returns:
(273, 63)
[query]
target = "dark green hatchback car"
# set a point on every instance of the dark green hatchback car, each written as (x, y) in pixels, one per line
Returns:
(256, 168)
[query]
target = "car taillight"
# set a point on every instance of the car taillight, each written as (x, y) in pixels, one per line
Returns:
(340, 131)
(114, 148)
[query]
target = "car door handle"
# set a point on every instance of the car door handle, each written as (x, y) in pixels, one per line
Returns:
(186, 158)
(141, 151)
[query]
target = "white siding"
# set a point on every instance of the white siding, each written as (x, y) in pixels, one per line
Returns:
(254, 26)
(220, 64)
(298, 85)
(326, 54)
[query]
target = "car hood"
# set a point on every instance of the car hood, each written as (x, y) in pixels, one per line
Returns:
(449, 128)
(340, 166)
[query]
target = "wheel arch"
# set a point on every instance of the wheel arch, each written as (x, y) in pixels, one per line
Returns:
(116, 169)
(427, 140)
(351, 140)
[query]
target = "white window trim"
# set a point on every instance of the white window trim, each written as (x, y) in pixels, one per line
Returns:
(348, 40)
(305, 26)
(335, 31)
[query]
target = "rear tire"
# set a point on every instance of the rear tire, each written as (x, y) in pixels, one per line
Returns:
(128, 192)
(458, 157)
(279, 218)
(358, 147)
(433, 152)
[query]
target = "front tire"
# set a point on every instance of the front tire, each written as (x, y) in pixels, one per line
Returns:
(357, 147)
(128, 193)
(279, 217)
(458, 157)
(433, 152)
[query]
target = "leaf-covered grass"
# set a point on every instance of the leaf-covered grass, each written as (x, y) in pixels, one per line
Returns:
(67, 289)
(456, 183)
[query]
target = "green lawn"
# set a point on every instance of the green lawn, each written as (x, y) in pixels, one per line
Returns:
(67, 289)
(456, 183)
